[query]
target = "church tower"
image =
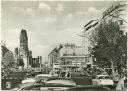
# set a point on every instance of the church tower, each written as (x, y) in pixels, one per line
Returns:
(23, 50)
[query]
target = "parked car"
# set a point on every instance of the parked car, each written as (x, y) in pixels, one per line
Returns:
(63, 81)
(58, 84)
(61, 84)
(28, 79)
(51, 84)
(104, 80)
(58, 87)
(42, 77)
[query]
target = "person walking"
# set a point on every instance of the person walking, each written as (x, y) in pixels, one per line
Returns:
(68, 74)
(120, 85)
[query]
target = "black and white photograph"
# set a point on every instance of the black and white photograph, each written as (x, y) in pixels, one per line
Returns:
(66, 45)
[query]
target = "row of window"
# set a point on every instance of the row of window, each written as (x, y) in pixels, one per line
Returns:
(72, 63)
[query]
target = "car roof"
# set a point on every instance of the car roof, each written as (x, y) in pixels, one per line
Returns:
(45, 75)
(59, 78)
(61, 81)
(101, 75)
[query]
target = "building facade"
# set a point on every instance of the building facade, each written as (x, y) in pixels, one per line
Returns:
(72, 57)
(89, 32)
(36, 62)
(89, 40)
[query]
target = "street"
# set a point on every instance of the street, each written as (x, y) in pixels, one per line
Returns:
(15, 80)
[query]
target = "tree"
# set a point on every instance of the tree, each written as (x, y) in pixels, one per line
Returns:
(21, 63)
(54, 55)
(4, 50)
(8, 60)
(110, 45)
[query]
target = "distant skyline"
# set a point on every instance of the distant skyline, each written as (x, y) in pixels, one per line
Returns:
(47, 23)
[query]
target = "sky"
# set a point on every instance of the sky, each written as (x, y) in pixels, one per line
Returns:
(48, 23)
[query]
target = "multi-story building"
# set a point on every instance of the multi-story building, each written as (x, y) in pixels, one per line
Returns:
(89, 40)
(36, 62)
(89, 32)
(72, 57)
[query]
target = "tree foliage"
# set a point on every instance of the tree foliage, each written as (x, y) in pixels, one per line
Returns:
(110, 44)
(8, 60)
(21, 63)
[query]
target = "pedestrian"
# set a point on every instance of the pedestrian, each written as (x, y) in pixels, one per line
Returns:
(68, 75)
(63, 73)
(120, 85)
(51, 72)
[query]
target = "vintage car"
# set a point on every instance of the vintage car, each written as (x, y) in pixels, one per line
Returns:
(60, 84)
(42, 77)
(38, 78)
(103, 80)
(28, 79)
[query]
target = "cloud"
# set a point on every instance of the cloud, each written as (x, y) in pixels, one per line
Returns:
(59, 7)
(11, 38)
(44, 6)
(46, 19)
(49, 19)
(70, 36)
(30, 10)
(39, 46)
(44, 50)
(37, 20)
(94, 10)
(18, 9)
(69, 16)
(79, 13)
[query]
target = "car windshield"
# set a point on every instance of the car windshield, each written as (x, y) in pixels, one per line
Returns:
(104, 77)
(61, 81)
(29, 76)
